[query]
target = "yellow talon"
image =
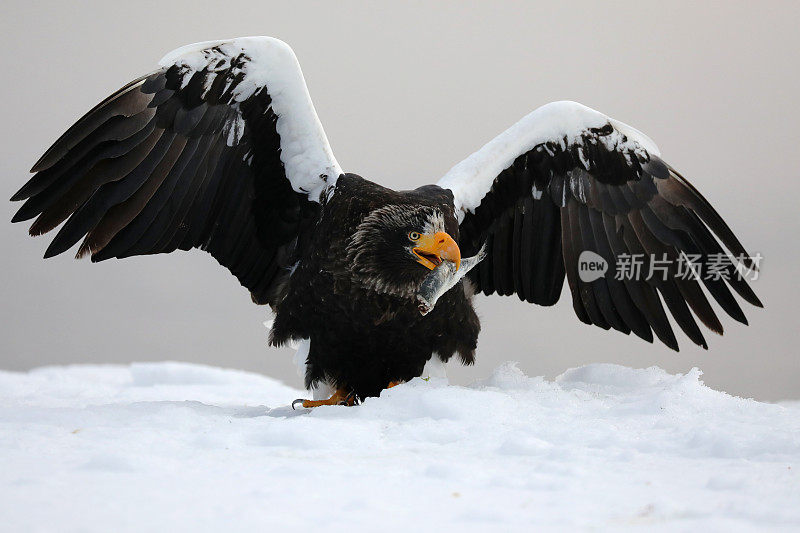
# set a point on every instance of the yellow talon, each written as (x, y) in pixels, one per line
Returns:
(340, 397)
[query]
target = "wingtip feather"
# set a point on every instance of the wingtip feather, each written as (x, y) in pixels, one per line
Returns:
(19, 195)
(22, 215)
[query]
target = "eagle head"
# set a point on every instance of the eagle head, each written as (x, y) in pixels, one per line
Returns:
(397, 245)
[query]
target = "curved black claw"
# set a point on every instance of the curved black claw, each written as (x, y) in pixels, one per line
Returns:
(350, 399)
(300, 401)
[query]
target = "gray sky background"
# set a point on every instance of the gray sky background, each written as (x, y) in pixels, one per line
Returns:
(405, 92)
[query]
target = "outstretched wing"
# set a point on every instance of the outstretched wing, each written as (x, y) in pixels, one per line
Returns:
(567, 180)
(219, 149)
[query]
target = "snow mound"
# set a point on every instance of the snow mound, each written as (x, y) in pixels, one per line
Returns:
(175, 446)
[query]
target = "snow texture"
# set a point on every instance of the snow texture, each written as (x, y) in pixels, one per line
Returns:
(305, 152)
(557, 122)
(180, 447)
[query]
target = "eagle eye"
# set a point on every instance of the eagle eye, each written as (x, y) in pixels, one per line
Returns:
(414, 236)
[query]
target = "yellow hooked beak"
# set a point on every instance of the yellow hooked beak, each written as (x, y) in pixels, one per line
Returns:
(431, 250)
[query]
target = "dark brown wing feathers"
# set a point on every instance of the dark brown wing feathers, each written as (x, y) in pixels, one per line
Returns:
(553, 203)
(154, 168)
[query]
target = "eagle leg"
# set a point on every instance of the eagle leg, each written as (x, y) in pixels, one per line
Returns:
(340, 397)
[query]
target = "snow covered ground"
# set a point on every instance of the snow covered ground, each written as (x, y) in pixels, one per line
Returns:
(180, 447)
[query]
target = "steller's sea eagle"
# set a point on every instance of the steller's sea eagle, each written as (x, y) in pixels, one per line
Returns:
(221, 149)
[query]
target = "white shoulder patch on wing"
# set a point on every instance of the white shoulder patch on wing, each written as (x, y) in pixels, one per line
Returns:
(556, 122)
(305, 152)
